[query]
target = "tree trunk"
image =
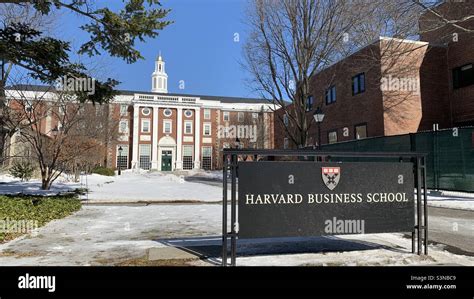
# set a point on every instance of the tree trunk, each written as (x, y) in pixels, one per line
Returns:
(3, 131)
(45, 184)
(45, 179)
(77, 173)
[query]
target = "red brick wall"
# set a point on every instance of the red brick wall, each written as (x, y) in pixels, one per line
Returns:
(459, 51)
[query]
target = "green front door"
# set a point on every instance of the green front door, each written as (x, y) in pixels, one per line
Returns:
(166, 160)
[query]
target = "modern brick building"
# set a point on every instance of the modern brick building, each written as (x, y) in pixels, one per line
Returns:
(158, 130)
(395, 86)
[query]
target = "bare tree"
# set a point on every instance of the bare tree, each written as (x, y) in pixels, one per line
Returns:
(291, 41)
(62, 132)
(442, 17)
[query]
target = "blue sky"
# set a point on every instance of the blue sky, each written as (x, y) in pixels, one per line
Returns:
(198, 48)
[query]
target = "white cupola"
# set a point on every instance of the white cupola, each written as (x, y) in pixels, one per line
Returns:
(159, 78)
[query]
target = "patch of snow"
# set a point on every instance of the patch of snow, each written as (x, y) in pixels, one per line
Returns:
(454, 201)
(108, 235)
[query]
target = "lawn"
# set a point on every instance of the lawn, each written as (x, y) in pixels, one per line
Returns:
(20, 214)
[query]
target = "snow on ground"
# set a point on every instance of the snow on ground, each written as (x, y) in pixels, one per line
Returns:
(11, 185)
(107, 235)
(128, 187)
(150, 186)
(452, 200)
(160, 186)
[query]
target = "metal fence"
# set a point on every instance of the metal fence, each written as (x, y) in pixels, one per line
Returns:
(450, 160)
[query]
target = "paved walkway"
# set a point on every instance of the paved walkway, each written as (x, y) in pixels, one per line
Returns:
(110, 235)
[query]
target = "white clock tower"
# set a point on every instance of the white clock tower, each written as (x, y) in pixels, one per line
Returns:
(159, 78)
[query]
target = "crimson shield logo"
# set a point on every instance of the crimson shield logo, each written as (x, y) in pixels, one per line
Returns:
(331, 176)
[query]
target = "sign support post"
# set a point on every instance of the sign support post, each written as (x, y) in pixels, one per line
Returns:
(224, 209)
(233, 212)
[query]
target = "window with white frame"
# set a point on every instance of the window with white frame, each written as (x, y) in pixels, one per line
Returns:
(167, 128)
(145, 126)
(188, 127)
(285, 143)
(207, 113)
(206, 162)
(332, 136)
(255, 115)
(122, 157)
(225, 116)
(240, 116)
(123, 109)
(145, 156)
(188, 157)
(207, 129)
(123, 127)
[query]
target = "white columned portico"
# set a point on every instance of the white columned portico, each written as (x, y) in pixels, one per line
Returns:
(154, 140)
(197, 138)
(179, 137)
(136, 110)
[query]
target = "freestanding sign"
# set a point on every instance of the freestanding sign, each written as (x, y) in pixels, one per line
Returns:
(324, 196)
(285, 199)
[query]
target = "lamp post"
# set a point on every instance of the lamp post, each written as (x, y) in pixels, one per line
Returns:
(120, 149)
(318, 117)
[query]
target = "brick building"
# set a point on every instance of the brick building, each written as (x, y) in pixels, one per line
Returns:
(395, 86)
(158, 130)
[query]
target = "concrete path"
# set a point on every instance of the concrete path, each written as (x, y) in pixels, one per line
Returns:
(115, 234)
(452, 227)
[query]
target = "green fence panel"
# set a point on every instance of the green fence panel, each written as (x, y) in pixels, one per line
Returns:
(450, 159)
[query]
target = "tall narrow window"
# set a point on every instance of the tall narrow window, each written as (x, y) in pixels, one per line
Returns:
(309, 103)
(207, 113)
(207, 129)
(285, 143)
(123, 110)
(206, 162)
(225, 116)
(145, 154)
(122, 157)
(187, 157)
(123, 126)
(188, 127)
(332, 136)
(145, 126)
(331, 95)
(285, 120)
(167, 126)
(240, 116)
(358, 83)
